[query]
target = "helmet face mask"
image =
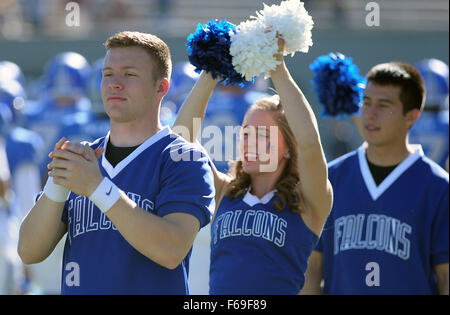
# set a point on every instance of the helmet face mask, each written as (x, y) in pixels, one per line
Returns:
(436, 76)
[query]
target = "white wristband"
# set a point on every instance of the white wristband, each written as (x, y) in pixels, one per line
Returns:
(105, 195)
(55, 192)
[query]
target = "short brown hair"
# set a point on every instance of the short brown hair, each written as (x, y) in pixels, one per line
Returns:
(153, 45)
(405, 76)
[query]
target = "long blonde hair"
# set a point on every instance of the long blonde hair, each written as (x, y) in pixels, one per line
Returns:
(287, 184)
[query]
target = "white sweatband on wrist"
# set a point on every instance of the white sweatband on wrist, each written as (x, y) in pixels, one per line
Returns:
(55, 192)
(105, 195)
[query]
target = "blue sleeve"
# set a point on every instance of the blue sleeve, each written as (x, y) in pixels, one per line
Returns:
(440, 232)
(188, 187)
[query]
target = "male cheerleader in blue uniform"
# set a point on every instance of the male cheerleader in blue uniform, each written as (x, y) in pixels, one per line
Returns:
(388, 229)
(131, 202)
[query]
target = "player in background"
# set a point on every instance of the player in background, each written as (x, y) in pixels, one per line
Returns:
(431, 130)
(270, 212)
(10, 71)
(13, 94)
(132, 202)
(63, 92)
(24, 147)
(11, 269)
(388, 230)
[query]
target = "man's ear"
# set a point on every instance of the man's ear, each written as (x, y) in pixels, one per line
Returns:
(163, 87)
(412, 116)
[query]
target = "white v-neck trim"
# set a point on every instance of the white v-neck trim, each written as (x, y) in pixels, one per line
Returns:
(252, 200)
(374, 190)
(113, 171)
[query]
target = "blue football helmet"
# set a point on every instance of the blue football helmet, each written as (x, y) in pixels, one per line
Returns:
(13, 95)
(10, 71)
(435, 75)
(67, 75)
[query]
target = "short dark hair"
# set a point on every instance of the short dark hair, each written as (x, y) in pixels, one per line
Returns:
(405, 76)
(153, 45)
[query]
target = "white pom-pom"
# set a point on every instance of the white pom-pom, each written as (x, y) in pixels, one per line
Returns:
(255, 44)
(253, 50)
(292, 22)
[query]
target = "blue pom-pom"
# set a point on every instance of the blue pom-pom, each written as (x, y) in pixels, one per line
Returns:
(209, 50)
(338, 85)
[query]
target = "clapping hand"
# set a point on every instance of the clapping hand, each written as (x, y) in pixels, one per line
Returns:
(75, 166)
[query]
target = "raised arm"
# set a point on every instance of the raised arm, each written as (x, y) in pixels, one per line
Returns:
(194, 107)
(314, 185)
(190, 117)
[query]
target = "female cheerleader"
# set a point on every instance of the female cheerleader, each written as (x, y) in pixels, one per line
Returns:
(271, 207)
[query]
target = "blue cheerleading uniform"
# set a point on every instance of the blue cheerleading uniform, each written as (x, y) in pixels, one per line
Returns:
(257, 250)
(386, 238)
(164, 175)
